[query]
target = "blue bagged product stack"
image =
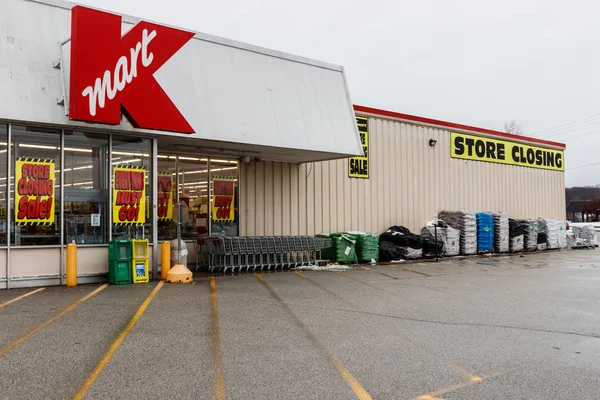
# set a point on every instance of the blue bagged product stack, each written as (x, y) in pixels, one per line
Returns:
(485, 233)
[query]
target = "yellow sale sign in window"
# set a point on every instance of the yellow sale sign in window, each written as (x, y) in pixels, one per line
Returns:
(223, 200)
(34, 197)
(129, 195)
(165, 197)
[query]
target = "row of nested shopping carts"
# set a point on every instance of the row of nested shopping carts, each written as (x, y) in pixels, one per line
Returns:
(226, 253)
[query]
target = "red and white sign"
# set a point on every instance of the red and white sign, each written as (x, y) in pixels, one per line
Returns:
(111, 73)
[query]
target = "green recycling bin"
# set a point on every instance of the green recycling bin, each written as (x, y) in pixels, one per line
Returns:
(119, 262)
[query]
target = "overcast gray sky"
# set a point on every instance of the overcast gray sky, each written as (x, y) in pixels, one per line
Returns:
(467, 61)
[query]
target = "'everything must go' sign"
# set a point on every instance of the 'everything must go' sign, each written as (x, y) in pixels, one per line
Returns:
(34, 197)
(129, 195)
(165, 197)
(223, 200)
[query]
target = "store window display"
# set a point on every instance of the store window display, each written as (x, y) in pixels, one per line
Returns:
(86, 184)
(131, 187)
(35, 163)
(224, 197)
(3, 182)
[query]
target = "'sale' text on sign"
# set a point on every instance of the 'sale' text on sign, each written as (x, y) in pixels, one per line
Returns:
(358, 167)
(35, 191)
(504, 152)
(129, 196)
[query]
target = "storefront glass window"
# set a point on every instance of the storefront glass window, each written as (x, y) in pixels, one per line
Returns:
(3, 178)
(86, 188)
(193, 194)
(131, 161)
(35, 164)
(225, 197)
(167, 196)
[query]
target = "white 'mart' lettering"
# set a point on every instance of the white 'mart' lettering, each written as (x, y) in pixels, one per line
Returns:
(124, 72)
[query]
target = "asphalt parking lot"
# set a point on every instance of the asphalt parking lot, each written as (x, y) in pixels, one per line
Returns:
(480, 328)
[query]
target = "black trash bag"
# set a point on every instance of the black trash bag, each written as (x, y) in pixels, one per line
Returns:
(542, 238)
(401, 236)
(400, 229)
(430, 248)
(389, 251)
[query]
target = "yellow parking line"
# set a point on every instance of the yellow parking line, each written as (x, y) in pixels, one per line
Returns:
(113, 348)
(357, 280)
(320, 286)
(219, 381)
(21, 297)
(51, 320)
(440, 392)
(357, 388)
(411, 270)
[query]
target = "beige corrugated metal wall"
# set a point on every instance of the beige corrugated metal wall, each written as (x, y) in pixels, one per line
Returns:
(409, 182)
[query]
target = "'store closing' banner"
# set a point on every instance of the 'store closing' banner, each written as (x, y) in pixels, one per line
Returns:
(477, 148)
(165, 197)
(358, 167)
(34, 198)
(129, 195)
(223, 200)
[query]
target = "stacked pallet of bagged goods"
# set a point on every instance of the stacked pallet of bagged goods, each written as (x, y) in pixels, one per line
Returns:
(562, 234)
(367, 246)
(531, 234)
(485, 233)
(550, 227)
(583, 236)
(516, 235)
(501, 232)
(448, 236)
(466, 223)
(542, 234)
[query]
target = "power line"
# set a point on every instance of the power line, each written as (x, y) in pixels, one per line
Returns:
(575, 122)
(569, 129)
(577, 137)
(583, 166)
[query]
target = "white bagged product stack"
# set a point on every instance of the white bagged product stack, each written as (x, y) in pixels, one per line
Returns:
(447, 235)
(585, 232)
(551, 228)
(562, 234)
(501, 232)
(466, 223)
(452, 242)
(531, 234)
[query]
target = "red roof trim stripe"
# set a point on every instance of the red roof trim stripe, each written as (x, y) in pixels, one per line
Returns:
(446, 124)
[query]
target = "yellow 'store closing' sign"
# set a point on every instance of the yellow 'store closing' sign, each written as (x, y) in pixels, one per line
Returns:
(358, 167)
(477, 148)
(34, 198)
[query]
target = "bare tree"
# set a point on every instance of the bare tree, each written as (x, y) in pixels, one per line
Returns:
(513, 127)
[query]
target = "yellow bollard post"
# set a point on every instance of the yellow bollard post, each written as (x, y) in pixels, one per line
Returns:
(71, 265)
(165, 260)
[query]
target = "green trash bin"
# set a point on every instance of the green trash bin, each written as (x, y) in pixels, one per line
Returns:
(119, 262)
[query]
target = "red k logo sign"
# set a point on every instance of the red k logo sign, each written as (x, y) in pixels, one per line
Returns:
(110, 71)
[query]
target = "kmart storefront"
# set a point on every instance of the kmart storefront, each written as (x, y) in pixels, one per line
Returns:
(105, 124)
